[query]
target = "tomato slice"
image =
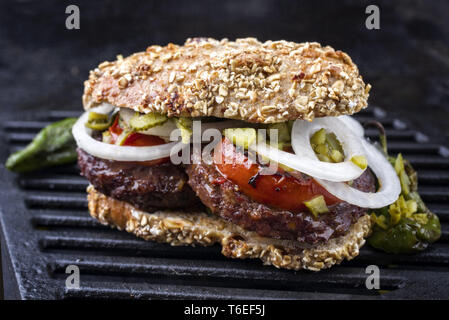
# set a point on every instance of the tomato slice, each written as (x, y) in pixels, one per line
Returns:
(280, 190)
(115, 130)
(136, 139)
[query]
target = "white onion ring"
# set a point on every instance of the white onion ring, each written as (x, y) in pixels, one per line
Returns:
(352, 124)
(318, 169)
(303, 130)
(389, 190)
(332, 175)
(103, 150)
(305, 159)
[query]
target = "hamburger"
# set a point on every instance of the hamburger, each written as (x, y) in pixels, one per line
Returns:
(240, 143)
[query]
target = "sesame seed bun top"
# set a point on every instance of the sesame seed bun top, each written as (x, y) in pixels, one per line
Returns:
(244, 79)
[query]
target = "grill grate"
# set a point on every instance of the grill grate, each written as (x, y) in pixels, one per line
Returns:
(45, 227)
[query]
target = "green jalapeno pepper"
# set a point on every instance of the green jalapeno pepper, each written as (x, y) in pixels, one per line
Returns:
(406, 225)
(53, 145)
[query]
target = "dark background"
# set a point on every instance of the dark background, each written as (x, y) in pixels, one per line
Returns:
(43, 65)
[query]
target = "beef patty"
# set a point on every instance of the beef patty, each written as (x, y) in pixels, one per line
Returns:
(148, 188)
(223, 198)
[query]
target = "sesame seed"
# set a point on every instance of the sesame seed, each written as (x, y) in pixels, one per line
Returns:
(219, 99)
(223, 91)
(172, 77)
(122, 83)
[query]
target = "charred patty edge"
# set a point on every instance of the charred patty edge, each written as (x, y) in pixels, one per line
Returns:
(162, 186)
(225, 200)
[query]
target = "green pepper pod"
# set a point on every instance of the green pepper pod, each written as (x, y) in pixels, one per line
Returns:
(407, 225)
(407, 236)
(53, 145)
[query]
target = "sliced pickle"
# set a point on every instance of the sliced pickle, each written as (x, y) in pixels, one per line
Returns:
(412, 206)
(98, 121)
(241, 137)
(324, 158)
(318, 137)
(142, 122)
(322, 149)
(405, 182)
(317, 205)
(336, 156)
(332, 141)
(399, 164)
(403, 177)
(99, 117)
(98, 126)
(327, 147)
(421, 218)
(122, 138)
(379, 220)
(282, 129)
(185, 126)
(360, 161)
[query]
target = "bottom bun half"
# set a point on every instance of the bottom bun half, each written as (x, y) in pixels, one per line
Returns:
(198, 228)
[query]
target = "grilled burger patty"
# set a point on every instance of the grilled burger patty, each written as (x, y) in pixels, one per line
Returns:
(224, 199)
(147, 188)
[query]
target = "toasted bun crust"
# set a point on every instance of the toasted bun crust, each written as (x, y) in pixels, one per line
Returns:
(198, 228)
(247, 80)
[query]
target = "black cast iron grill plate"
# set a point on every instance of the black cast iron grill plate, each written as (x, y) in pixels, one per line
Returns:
(46, 227)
